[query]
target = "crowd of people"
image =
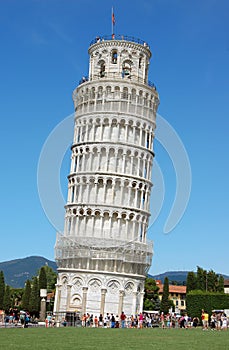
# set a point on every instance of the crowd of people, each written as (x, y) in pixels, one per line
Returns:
(217, 321)
(113, 321)
(15, 317)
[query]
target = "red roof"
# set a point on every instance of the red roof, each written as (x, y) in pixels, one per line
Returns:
(226, 283)
(173, 289)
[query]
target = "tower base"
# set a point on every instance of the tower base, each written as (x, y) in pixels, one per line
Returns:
(98, 293)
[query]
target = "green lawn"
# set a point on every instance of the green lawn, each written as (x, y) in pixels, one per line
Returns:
(111, 339)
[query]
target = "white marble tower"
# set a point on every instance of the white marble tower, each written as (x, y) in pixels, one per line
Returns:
(103, 255)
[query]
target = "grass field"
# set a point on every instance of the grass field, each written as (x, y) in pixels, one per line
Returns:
(112, 339)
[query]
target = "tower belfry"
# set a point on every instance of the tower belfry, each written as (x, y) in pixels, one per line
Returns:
(103, 254)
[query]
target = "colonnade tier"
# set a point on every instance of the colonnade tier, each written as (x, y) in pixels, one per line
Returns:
(120, 213)
(109, 191)
(100, 223)
(116, 130)
(107, 159)
(142, 106)
(118, 89)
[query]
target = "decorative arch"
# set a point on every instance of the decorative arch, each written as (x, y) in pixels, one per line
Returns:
(102, 66)
(113, 286)
(129, 288)
(114, 56)
(76, 301)
(126, 67)
(94, 284)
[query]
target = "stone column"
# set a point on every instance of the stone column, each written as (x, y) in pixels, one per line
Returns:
(43, 295)
(140, 140)
(43, 309)
(84, 301)
(72, 163)
(83, 161)
(77, 163)
(141, 301)
(69, 286)
(120, 304)
(102, 304)
(134, 303)
(86, 132)
(122, 190)
(57, 298)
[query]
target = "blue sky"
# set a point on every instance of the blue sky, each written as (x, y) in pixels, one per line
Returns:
(44, 47)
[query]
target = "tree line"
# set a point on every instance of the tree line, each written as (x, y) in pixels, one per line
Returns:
(204, 280)
(27, 298)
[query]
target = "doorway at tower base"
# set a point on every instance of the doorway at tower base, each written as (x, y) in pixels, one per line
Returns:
(96, 293)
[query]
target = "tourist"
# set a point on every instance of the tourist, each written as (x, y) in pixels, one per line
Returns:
(224, 322)
(162, 319)
(49, 320)
(107, 321)
(213, 322)
(195, 322)
(132, 321)
(96, 321)
(88, 320)
(64, 322)
(182, 322)
(218, 321)
(123, 319)
(112, 321)
(205, 320)
(83, 320)
(140, 318)
(91, 320)
(100, 320)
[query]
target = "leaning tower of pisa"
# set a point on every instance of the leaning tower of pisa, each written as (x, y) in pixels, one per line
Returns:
(103, 254)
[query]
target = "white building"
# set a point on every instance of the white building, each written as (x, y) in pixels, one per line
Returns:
(103, 255)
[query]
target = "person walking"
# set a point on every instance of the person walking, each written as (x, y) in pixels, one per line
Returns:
(205, 320)
(123, 319)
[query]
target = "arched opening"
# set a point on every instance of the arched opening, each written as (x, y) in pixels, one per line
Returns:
(114, 56)
(126, 68)
(102, 68)
(125, 93)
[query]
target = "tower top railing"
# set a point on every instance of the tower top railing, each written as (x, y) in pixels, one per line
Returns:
(115, 76)
(120, 37)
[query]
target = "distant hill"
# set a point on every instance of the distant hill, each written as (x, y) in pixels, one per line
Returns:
(178, 276)
(18, 271)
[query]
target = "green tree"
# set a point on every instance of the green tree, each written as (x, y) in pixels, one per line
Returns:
(34, 302)
(165, 302)
(7, 299)
(220, 287)
(212, 281)
(201, 279)
(26, 296)
(16, 296)
(151, 297)
(42, 278)
(191, 281)
(51, 277)
(2, 289)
